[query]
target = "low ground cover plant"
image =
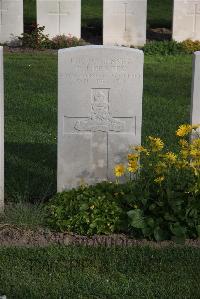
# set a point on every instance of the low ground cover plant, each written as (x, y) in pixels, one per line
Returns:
(171, 47)
(160, 199)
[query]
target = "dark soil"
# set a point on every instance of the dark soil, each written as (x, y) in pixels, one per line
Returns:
(159, 34)
(16, 236)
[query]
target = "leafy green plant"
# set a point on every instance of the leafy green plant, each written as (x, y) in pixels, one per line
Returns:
(36, 39)
(163, 48)
(87, 210)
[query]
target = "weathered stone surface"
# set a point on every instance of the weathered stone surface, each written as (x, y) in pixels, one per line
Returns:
(195, 110)
(11, 19)
(1, 132)
(186, 20)
(60, 17)
(100, 111)
(124, 22)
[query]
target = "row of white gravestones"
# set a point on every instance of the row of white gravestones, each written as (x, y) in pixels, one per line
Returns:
(11, 19)
(124, 21)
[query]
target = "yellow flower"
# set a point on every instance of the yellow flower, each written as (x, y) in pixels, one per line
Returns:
(184, 130)
(92, 207)
(159, 180)
(119, 170)
(156, 143)
(132, 166)
(170, 157)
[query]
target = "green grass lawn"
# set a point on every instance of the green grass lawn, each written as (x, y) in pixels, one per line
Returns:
(159, 12)
(31, 115)
(91, 273)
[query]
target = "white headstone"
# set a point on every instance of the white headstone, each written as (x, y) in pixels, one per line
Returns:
(99, 111)
(186, 20)
(195, 111)
(124, 22)
(1, 132)
(60, 17)
(11, 19)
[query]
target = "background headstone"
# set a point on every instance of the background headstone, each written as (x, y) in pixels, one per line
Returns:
(186, 20)
(124, 22)
(99, 111)
(60, 17)
(11, 19)
(195, 111)
(1, 132)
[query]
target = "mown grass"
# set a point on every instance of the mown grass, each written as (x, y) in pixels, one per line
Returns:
(159, 13)
(24, 215)
(91, 273)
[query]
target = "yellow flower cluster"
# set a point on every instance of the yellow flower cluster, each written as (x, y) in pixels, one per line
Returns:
(159, 162)
(132, 166)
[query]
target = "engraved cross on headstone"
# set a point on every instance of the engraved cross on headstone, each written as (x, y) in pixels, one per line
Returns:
(101, 125)
(60, 12)
(195, 12)
(126, 13)
(2, 12)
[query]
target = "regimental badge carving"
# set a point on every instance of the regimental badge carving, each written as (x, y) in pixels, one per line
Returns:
(101, 119)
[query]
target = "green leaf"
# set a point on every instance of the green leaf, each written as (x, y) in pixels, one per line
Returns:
(159, 234)
(150, 222)
(178, 230)
(147, 231)
(136, 218)
(84, 207)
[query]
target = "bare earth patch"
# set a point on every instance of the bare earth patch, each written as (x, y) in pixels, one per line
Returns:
(15, 236)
